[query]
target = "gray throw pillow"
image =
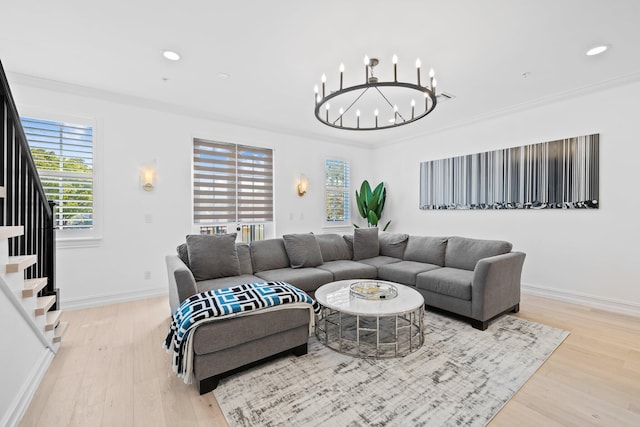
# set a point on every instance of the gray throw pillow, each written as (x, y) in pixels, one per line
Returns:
(464, 253)
(365, 243)
(183, 254)
(392, 244)
(303, 250)
(426, 249)
(213, 257)
(333, 247)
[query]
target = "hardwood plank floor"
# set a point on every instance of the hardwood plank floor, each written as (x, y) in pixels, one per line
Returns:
(112, 371)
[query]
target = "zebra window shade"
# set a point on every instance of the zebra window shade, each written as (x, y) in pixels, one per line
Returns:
(231, 183)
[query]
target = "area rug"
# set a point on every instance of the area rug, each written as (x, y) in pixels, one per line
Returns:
(460, 376)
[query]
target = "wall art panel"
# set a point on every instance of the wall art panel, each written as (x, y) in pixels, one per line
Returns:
(559, 174)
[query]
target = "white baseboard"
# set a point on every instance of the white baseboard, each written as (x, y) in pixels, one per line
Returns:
(23, 396)
(113, 298)
(603, 303)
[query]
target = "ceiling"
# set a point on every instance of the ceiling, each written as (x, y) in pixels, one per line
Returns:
(276, 51)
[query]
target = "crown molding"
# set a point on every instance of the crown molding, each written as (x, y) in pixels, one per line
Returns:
(524, 106)
(130, 100)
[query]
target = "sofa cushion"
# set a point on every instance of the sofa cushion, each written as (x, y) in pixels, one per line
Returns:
(212, 257)
(392, 244)
(227, 282)
(365, 243)
(378, 261)
(244, 256)
(268, 254)
(453, 282)
(464, 253)
(183, 254)
(430, 250)
(346, 269)
(333, 247)
(303, 250)
(307, 279)
(404, 271)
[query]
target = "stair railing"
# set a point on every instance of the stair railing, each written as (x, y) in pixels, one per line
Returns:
(25, 202)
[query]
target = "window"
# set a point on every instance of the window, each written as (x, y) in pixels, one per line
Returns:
(231, 183)
(63, 154)
(336, 189)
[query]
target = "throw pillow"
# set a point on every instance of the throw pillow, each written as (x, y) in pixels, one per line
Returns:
(393, 244)
(303, 250)
(365, 243)
(333, 247)
(183, 254)
(426, 249)
(213, 257)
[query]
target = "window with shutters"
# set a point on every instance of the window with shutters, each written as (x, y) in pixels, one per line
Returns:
(231, 183)
(64, 156)
(336, 190)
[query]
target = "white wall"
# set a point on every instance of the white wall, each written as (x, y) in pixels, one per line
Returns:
(587, 256)
(133, 137)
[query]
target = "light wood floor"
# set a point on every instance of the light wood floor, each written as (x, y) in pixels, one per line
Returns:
(112, 371)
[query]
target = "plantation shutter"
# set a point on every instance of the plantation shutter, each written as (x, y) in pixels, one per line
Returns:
(337, 190)
(231, 183)
(63, 154)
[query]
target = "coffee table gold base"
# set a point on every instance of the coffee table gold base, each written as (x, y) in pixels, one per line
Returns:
(366, 336)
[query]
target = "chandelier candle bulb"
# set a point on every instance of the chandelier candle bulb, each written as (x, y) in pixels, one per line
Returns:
(324, 80)
(341, 112)
(315, 93)
(433, 86)
(418, 69)
(328, 106)
(395, 68)
(341, 72)
(358, 119)
(366, 69)
(376, 113)
(413, 109)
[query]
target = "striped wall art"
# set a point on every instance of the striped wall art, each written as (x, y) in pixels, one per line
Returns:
(559, 174)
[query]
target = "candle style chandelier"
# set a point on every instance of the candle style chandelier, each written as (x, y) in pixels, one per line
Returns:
(375, 104)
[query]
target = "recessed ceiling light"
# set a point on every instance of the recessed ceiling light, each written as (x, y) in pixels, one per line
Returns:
(223, 75)
(597, 50)
(171, 55)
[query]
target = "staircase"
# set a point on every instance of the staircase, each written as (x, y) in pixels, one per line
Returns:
(24, 293)
(27, 231)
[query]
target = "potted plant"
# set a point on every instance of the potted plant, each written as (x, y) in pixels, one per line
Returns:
(370, 203)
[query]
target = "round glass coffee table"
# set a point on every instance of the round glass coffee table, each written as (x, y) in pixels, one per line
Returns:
(370, 318)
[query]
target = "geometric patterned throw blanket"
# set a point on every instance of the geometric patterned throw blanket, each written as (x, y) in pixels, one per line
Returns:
(223, 303)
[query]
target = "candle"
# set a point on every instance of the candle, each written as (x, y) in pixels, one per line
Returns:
(413, 108)
(431, 76)
(433, 86)
(341, 113)
(341, 71)
(366, 69)
(327, 107)
(418, 69)
(376, 113)
(358, 119)
(315, 93)
(324, 80)
(395, 68)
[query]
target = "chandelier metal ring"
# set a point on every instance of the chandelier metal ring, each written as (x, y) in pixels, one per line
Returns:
(347, 122)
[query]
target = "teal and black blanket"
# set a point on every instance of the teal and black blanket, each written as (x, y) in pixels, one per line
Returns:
(225, 302)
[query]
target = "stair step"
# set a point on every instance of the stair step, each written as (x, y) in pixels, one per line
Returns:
(11, 231)
(53, 318)
(60, 331)
(33, 286)
(44, 304)
(16, 264)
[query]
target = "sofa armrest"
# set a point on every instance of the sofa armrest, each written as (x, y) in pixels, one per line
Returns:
(182, 284)
(495, 287)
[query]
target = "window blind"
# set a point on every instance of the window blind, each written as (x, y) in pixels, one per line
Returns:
(337, 191)
(231, 183)
(63, 154)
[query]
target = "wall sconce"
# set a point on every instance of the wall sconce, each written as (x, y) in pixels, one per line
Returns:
(303, 183)
(147, 178)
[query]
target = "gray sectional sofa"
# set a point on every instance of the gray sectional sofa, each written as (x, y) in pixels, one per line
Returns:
(476, 279)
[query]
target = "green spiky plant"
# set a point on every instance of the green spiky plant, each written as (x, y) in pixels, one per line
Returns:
(370, 203)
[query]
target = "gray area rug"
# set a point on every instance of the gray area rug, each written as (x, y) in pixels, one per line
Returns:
(460, 376)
